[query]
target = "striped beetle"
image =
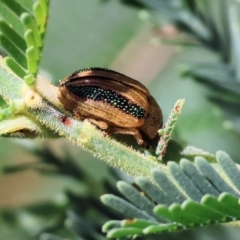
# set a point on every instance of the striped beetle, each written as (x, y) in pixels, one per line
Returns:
(113, 102)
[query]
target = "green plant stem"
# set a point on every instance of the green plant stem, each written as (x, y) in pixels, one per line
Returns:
(85, 135)
(167, 130)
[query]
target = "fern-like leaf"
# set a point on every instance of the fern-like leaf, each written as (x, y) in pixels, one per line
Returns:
(188, 195)
(22, 29)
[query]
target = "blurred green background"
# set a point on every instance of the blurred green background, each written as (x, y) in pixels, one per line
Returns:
(109, 34)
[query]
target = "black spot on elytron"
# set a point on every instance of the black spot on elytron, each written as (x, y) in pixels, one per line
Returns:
(94, 69)
(110, 97)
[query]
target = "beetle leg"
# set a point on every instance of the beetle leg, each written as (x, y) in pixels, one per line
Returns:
(102, 125)
(77, 115)
(129, 131)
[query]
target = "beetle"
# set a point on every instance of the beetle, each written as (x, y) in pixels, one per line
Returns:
(112, 101)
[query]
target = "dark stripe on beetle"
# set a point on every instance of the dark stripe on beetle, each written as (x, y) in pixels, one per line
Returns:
(95, 69)
(77, 78)
(108, 96)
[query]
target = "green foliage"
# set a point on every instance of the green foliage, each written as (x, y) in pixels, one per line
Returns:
(188, 195)
(166, 132)
(22, 30)
(21, 36)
